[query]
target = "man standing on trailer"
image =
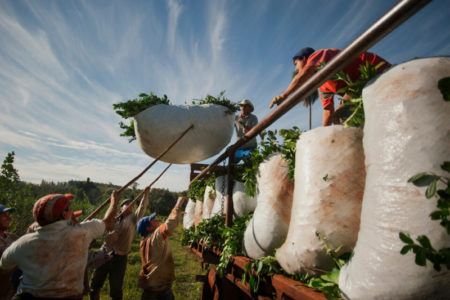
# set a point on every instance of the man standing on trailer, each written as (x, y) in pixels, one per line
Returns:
(54, 257)
(125, 228)
(243, 123)
(306, 62)
(158, 269)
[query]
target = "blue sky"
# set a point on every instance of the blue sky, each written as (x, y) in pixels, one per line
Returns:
(64, 63)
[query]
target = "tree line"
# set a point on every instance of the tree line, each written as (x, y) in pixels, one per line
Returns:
(88, 195)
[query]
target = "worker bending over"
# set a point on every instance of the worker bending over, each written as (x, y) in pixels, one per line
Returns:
(307, 61)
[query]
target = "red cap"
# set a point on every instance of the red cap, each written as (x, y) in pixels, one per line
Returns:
(48, 209)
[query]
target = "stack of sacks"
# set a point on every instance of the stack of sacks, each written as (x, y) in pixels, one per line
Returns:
(198, 212)
(159, 126)
(407, 131)
(188, 218)
(329, 186)
(269, 225)
(242, 203)
(208, 201)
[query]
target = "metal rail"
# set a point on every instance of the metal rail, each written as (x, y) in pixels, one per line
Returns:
(395, 16)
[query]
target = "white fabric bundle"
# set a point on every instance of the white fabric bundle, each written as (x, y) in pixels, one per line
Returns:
(329, 186)
(208, 201)
(220, 203)
(407, 131)
(188, 218)
(198, 212)
(159, 126)
(269, 225)
(242, 203)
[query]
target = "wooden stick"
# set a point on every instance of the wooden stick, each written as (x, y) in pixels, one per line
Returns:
(149, 186)
(138, 176)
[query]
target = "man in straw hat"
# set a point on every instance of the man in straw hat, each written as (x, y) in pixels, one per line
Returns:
(54, 257)
(243, 123)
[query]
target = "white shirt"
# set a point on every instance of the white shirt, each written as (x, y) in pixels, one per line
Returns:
(53, 258)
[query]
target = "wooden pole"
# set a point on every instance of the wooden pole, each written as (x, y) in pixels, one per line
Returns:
(140, 174)
(142, 193)
(230, 181)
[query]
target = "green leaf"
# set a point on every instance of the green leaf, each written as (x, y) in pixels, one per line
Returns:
(406, 238)
(422, 179)
(424, 241)
(431, 190)
(444, 87)
(420, 257)
(446, 166)
(405, 249)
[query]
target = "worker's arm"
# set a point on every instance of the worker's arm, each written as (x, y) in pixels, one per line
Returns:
(174, 218)
(140, 211)
(296, 82)
(110, 215)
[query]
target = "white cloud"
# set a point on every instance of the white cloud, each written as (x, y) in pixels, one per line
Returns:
(175, 9)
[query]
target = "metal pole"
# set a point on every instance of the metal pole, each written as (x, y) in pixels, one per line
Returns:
(384, 25)
(140, 174)
(379, 29)
(230, 181)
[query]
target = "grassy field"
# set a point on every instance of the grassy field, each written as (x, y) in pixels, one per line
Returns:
(186, 267)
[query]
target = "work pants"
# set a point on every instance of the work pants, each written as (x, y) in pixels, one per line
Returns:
(115, 268)
(157, 295)
(27, 296)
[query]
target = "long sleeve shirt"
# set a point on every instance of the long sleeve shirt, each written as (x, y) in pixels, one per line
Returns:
(53, 258)
(158, 269)
(127, 227)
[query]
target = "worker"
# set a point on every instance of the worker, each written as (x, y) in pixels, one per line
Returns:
(115, 267)
(53, 258)
(7, 289)
(243, 122)
(158, 269)
(307, 61)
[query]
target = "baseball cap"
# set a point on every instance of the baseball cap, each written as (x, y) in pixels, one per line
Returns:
(5, 209)
(305, 52)
(125, 202)
(49, 208)
(143, 224)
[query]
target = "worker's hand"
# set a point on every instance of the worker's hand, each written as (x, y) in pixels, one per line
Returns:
(276, 100)
(181, 201)
(146, 191)
(115, 197)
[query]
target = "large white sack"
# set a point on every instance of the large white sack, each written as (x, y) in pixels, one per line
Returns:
(198, 212)
(208, 201)
(242, 203)
(188, 218)
(269, 225)
(329, 186)
(159, 126)
(407, 131)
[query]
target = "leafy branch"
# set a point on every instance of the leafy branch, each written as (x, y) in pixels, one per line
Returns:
(423, 249)
(219, 100)
(132, 107)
